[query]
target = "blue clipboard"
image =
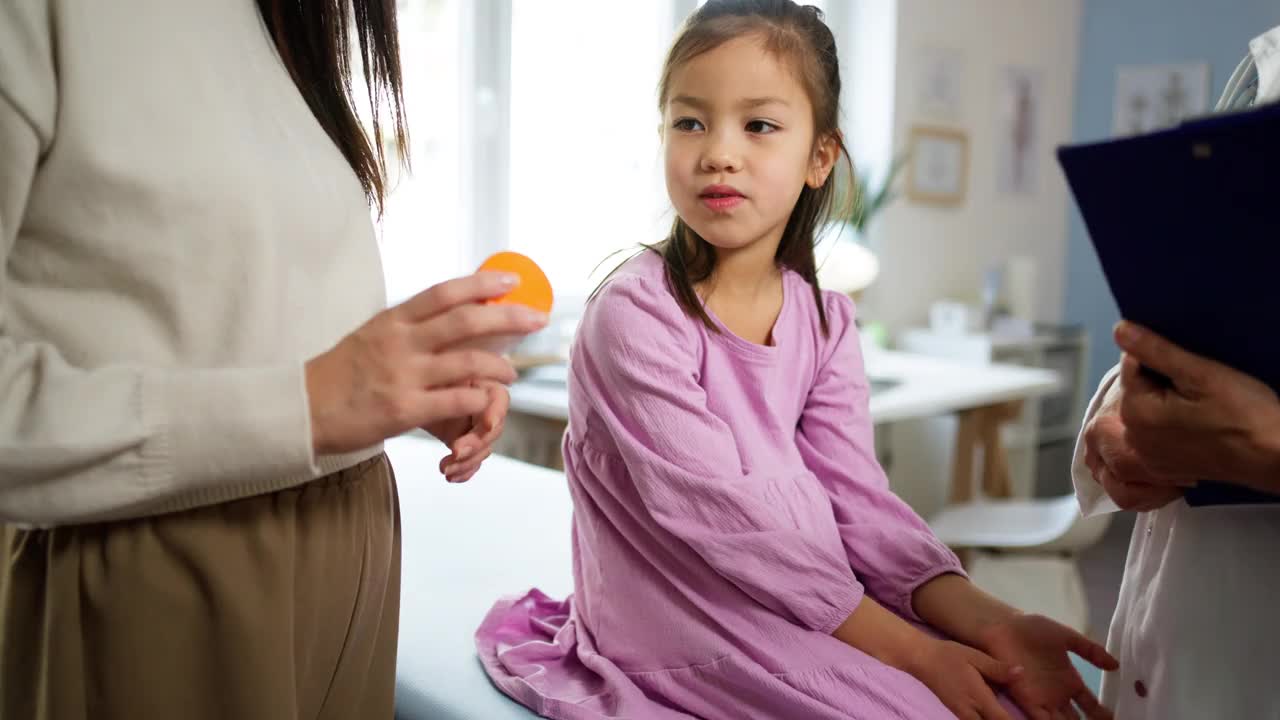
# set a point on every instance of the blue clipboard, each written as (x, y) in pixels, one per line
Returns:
(1186, 224)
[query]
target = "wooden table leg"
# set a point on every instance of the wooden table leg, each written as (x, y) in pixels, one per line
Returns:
(981, 426)
(962, 467)
(996, 481)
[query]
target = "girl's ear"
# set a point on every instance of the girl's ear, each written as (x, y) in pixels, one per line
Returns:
(825, 153)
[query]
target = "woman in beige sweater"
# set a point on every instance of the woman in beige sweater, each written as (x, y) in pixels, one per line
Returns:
(196, 366)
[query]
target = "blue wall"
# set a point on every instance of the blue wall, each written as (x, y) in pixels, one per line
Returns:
(1124, 32)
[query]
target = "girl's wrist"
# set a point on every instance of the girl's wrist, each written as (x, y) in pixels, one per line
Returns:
(991, 628)
(884, 636)
(913, 657)
(955, 606)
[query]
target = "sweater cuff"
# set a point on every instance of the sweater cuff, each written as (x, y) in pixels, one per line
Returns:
(228, 426)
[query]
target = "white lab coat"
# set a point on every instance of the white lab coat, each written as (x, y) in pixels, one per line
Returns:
(1197, 627)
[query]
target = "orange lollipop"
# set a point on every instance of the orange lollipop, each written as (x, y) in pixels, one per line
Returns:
(534, 289)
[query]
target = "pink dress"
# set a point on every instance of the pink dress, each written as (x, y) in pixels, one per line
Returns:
(729, 514)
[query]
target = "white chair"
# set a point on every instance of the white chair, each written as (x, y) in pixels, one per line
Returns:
(1024, 551)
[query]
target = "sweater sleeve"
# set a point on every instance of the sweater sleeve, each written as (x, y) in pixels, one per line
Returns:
(639, 353)
(888, 544)
(79, 444)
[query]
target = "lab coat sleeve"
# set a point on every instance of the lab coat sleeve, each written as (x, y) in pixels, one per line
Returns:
(1093, 498)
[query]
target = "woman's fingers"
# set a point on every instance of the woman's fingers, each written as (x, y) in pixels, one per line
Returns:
(465, 470)
(467, 290)
(495, 415)
(445, 403)
(476, 440)
(458, 462)
(486, 431)
(483, 433)
(459, 366)
(469, 322)
(390, 374)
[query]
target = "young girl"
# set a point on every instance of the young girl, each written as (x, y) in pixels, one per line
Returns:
(737, 551)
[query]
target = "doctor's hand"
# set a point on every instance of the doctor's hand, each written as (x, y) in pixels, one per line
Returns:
(1214, 423)
(1117, 466)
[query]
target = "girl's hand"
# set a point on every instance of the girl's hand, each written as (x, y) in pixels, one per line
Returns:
(959, 676)
(1049, 683)
(401, 370)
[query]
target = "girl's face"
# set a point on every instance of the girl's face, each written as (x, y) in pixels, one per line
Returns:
(738, 144)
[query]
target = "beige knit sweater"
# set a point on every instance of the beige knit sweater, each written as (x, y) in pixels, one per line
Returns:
(179, 236)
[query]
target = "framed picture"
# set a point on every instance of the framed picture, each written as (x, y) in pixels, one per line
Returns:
(938, 169)
(1151, 97)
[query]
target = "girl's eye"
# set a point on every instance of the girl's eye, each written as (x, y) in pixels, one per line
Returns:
(761, 127)
(687, 125)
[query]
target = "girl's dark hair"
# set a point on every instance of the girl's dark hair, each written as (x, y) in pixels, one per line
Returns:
(797, 35)
(314, 39)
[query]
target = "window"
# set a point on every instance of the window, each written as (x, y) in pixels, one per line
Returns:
(586, 168)
(421, 232)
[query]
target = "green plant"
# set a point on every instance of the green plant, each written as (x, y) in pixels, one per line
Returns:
(868, 203)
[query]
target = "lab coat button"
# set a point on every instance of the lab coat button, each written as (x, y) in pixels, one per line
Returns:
(1140, 688)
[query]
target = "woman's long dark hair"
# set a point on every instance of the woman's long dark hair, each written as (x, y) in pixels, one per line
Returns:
(797, 35)
(314, 38)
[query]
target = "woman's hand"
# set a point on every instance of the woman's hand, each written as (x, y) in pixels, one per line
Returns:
(398, 370)
(1049, 683)
(1214, 423)
(470, 439)
(961, 677)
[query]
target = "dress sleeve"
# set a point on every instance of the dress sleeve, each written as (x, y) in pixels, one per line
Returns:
(888, 544)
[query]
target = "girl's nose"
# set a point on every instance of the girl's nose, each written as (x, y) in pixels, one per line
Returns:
(720, 156)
